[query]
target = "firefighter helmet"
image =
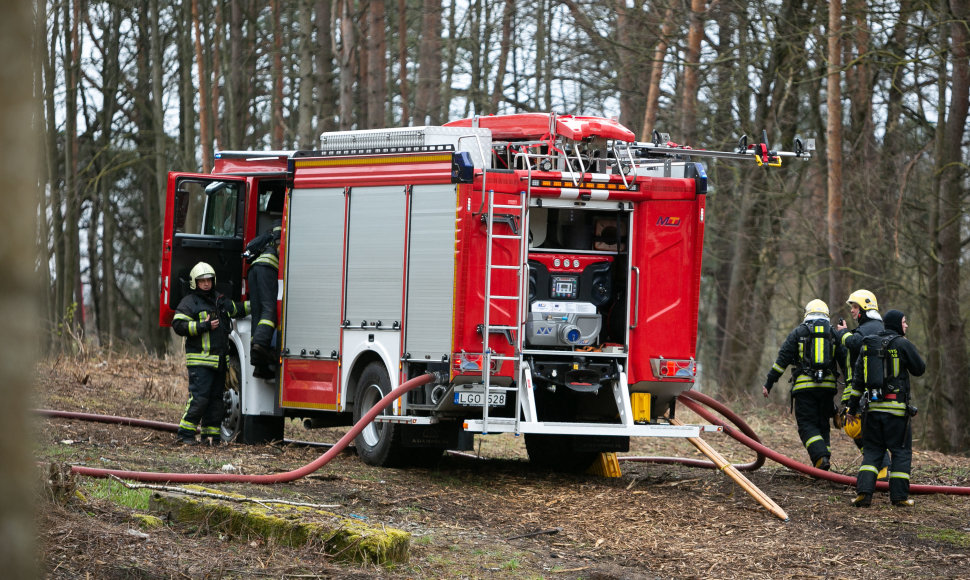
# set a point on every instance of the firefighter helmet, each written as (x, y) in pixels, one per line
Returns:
(201, 270)
(864, 298)
(853, 427)
(816, 307)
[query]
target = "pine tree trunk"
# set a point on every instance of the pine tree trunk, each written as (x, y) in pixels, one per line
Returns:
(656, 73)
(327, 109)
(54, 185)
(348, 41)
(833, 153)
(41, 99)
(69, 280)
(688, 124)
(186, 90)
(156, 193)
(952, 168)
(305, 131)
(376, 66)
(276, 75)
(205, 132)
(215, 44)
(402, 62)
(427, 98)
(107, 311)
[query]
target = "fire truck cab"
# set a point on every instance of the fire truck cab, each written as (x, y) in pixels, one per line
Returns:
(548, 266)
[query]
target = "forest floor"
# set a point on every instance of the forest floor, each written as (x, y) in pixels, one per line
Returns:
(655, 521)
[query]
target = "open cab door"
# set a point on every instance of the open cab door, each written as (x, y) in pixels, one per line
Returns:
(204, 222)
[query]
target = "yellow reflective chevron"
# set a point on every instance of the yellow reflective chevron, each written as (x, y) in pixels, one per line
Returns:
(819, 345)
(268, 259)
(897, 408)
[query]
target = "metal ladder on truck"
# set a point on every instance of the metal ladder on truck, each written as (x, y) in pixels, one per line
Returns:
(514, 219)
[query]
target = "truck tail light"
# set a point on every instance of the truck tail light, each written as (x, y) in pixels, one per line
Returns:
(669, 368)
(471, 362)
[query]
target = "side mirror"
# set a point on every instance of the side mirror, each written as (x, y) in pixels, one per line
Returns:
(215, 187)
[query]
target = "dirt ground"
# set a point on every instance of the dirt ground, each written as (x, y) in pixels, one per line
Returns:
(485, 514)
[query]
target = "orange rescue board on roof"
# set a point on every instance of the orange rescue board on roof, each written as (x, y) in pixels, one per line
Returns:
(537, 125)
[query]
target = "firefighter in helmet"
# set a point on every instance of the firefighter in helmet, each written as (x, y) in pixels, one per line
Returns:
(263, 279)
(886, 422)
(864, 309)
(865, 312)
(203, 317)
(813, 350)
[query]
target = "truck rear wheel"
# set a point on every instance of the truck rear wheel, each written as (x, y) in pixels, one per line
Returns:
(378, 443)
(557, 453)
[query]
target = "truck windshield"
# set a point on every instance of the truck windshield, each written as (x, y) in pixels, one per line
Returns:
(207, 208)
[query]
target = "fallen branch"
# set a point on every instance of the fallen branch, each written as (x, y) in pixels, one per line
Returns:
(549, 531)
(199, 493)
(410, 498)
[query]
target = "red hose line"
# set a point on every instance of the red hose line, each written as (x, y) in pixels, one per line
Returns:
(157, 425)
(690, 399)
(147, 424)
(268, 478)
(812, 471)
(704, 463)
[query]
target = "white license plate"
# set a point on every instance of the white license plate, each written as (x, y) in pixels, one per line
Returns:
(474, 399)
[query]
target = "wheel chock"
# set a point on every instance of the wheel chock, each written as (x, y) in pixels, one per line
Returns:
(606, 465)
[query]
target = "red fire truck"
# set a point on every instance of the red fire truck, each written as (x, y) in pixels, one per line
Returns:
(547, 265)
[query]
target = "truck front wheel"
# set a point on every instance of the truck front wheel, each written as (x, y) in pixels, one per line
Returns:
(232, 401)
(249, 429)
(378, 443)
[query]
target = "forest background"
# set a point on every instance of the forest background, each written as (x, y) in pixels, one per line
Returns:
(126, 91)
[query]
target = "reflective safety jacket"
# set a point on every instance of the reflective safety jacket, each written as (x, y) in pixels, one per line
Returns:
(203, 345)
(790, 354)
(263, 288)
(904, 360)
(852, 341)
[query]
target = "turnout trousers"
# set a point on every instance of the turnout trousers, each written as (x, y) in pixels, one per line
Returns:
(813, 410)
(882, 432)
(205, 409)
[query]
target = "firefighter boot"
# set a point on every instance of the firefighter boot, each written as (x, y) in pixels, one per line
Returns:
(260, 355)
(823, 463)
(263, 372)
(862, 500)
(904, 502)
(186, 440)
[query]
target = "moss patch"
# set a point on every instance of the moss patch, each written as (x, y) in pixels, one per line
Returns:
(945, 536)
(148, 521)
(344, 538)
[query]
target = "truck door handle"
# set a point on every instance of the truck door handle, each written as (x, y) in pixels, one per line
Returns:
(201, 243)
(636, 298)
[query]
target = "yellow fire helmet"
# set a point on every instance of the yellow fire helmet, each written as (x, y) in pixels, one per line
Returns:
(853, 427)
(201, 270)
(864, 298)
(816, 307)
